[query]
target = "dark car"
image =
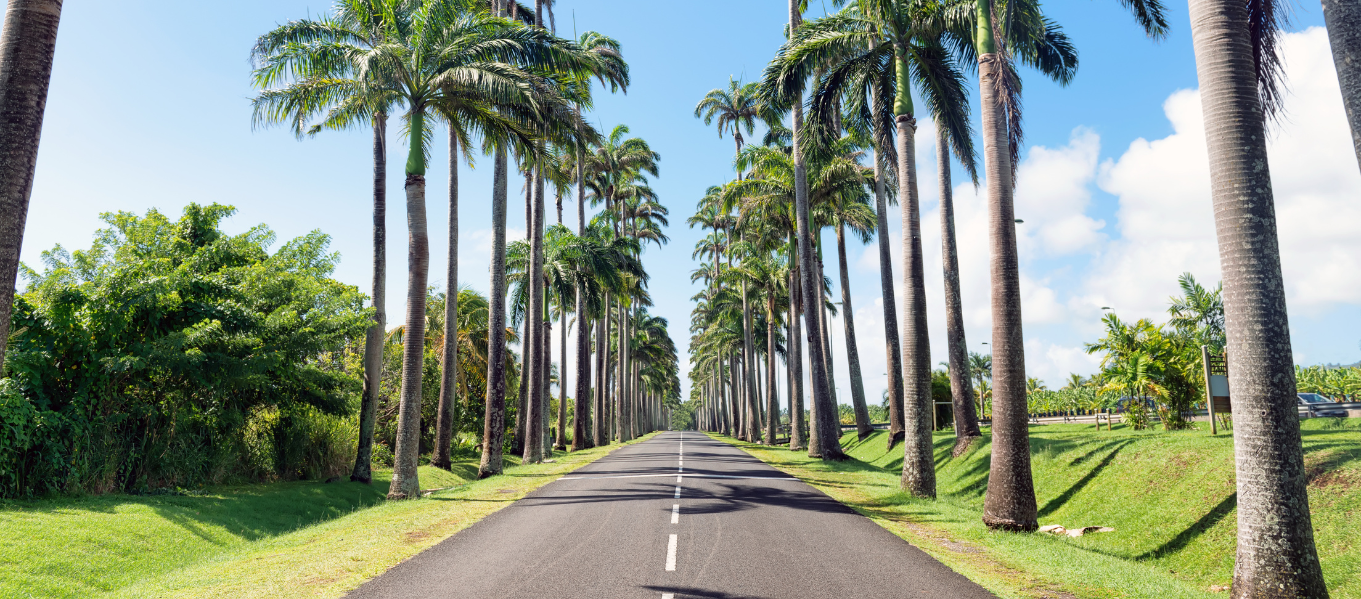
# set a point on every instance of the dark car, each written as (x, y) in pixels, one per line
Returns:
(1320, 406)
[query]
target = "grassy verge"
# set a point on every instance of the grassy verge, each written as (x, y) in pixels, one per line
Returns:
(297, 539)
(1169, 496)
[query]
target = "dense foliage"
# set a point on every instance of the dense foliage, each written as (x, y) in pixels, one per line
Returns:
(470, 380)
(1146, 367)
(171, 353)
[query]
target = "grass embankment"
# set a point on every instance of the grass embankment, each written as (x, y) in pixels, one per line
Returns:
(296, 539)
(1169, 496)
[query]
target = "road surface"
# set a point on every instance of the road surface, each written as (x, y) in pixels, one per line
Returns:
(678, 516)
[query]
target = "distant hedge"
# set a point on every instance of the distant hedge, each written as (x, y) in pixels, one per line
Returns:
(172, 354)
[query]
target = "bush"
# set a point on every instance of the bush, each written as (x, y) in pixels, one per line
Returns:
(168, 352)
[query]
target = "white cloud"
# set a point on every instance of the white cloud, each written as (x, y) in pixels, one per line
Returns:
(1166, 220)
(1052, 195)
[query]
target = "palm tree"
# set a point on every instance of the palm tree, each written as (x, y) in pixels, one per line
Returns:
(615, 165)
(437, 58)
(957, 348)
(980, 371)
(736, 108)
(861, 39)
(1024, 33)
(1239, 72)
(1199, 313)
(1344, 35)
(766, 198)
(27, 43)
(332, 90)
(615, 74)
(852, 210)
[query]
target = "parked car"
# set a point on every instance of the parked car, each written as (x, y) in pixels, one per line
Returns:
(1320, 406)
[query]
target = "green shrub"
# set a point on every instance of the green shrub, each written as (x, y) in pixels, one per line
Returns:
(165, 354)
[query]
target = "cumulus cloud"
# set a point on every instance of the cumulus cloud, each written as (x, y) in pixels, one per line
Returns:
(1166, 221)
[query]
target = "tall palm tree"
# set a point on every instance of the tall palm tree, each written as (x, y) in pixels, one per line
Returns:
(434, 56)
(957, 349)
(825, 439)
(1239, 73)
(736, 108)
(1021, 31)
(859, 39)
(616, 164)
(1344, 35)
(27, 44)
(324, 86)
(615, 74)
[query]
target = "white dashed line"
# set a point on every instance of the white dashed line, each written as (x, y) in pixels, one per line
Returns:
(675, 513)
(677, 492)
(671, 554)
(668, 596)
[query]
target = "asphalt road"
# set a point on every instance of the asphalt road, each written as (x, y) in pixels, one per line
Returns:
(678, 516)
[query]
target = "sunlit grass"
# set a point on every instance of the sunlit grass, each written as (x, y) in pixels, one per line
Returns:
(1170, 497)
(296, 539)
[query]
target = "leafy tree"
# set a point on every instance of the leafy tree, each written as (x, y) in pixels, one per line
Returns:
(173, 354)
(303, 50)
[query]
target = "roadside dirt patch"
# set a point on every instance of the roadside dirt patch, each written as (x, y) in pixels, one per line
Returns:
(1324, 471)
(416, 536)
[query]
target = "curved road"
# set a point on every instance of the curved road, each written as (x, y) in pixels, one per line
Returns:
(678, 516)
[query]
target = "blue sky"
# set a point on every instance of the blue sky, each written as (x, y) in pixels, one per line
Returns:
(149, 108)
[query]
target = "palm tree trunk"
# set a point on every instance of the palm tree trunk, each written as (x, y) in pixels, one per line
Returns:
(748, 363)
(1010, 500)
(494, 422)
(828, 442)
(826, 321)
(919, 468)
(517, 444)
(545, 385)
(961, 389)
(626, 408)
(795, 358)
(1276, 553)
(581, 417)
(533, 450)
(405, 484)
(599, 430)
(735, 398)
(892, 349)
(444, 426)
(620, 324)
(862, 412)
(27, 43)
(562, 378)
(1343, 18)
(772, 399)
(373, 337)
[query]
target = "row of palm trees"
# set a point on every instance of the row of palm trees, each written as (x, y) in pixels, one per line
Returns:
(860, 66)
(518, 87)
(492, 73)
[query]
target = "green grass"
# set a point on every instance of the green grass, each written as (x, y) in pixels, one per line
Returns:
(307, 539)
(1170, 497)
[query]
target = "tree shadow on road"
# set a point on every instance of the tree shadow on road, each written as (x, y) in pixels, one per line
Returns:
(687, 592)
